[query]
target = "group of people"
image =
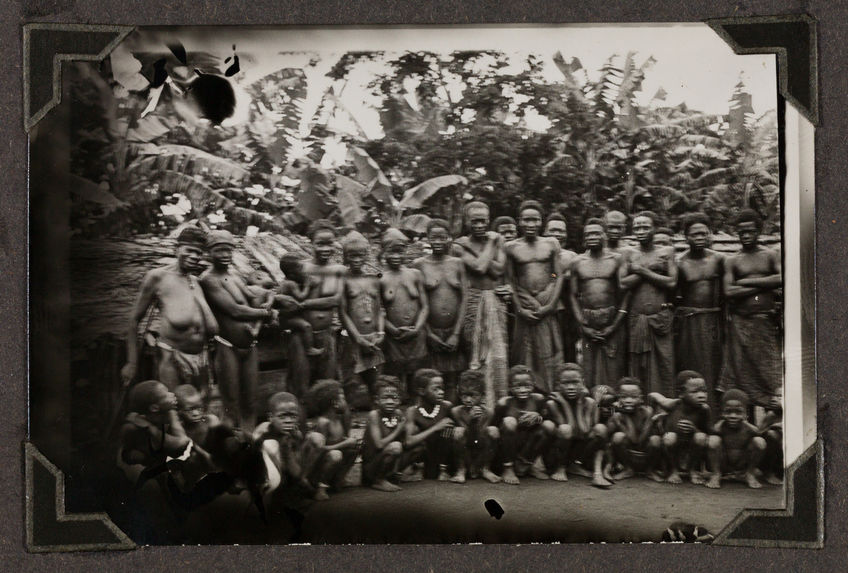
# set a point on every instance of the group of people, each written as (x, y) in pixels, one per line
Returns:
(512, 354)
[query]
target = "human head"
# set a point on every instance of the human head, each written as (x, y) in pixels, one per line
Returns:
(152, 399)
(557, 228)
(189, 404)
(629, 394)
(191, 244)
(477, 218)
(472, 386)
(291, 265)
(283, 412)
(506, 226)
(220, 245)
(386, 394)
(663, 237)
(734, 407)
(429, 385)
(394, 245)
(261, 278)
(748, 226)
(521, 381)
(691, 387)
(355, 251)
(530, 219)
(643, 227)
(439, 236)
(323, 397)
(322, 233)
(605, 398)
(696, 227)
(594, 235)
(615, 223)
(569, 377)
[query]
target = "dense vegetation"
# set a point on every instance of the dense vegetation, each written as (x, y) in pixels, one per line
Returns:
(454, 127)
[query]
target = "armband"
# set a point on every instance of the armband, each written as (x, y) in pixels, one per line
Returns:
(622, 311)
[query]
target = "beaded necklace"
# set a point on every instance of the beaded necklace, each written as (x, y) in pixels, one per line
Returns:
(390, 422)
(432, 414)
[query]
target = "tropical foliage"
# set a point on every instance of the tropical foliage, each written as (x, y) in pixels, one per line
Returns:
(452, 127)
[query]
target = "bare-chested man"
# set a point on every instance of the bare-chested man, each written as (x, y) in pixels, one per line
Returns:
(536, 274)
(615, 223)
(699, 318)
(751, 279)
(599, 306)
(236, 357)
(556, 227)
(319, 309)
(485, 324)
(185, 320)
(651, 276)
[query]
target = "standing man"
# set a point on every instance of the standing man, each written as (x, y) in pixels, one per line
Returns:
(651, 276)
(556, 227)
(236, 358)
(534, 269)
(615, 223)
(699, 321)
(185, 320)
(600, 306)
(751, 279)
(485, 324)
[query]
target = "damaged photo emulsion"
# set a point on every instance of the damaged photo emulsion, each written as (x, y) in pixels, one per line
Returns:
(414, 285)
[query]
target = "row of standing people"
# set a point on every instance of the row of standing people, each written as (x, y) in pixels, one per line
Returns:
(451, 309)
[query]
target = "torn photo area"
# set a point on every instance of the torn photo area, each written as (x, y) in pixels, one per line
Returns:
(418, 285)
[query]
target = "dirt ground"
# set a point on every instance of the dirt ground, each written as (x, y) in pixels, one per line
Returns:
(634, 510)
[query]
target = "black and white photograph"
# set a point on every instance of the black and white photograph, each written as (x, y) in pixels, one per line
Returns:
(480, 284)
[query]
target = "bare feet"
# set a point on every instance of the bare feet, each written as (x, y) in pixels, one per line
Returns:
(752, 481)
(772, 479)
(314, 351)
(509, 476)
(696, 478)
(559, 475)
(383, 485)
(321, 492)
(626, 473)
(459, 477)
(579, 470)
(411, 475)
(443, 474)
(674, 478)
(714, 482)
(656, 476)
(538, 473)
(490, 477)
(607, 472)
(598, 480)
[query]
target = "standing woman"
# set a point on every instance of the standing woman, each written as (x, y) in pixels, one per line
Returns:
(485, 324)
(447, 294)
(319, 309)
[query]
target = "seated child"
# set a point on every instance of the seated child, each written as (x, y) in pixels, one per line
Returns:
(197, 425)
(382, 447)
(580, 437)
(633, 446)
(152, 431)
(736, 448)
(524, 431)
(771, 429)
(330, 452)
(297, 285)
(472, 419)
(430, 436)
(685, 426)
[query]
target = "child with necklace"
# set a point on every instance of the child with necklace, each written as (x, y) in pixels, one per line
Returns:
(382, 447)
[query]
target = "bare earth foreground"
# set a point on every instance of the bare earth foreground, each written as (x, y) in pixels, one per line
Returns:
(635, 510)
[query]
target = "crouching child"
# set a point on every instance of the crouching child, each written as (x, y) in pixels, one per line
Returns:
(736, 447)
(684, 427)
(472, 419)
(580, 437)
(633, 446)
(382, 448)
